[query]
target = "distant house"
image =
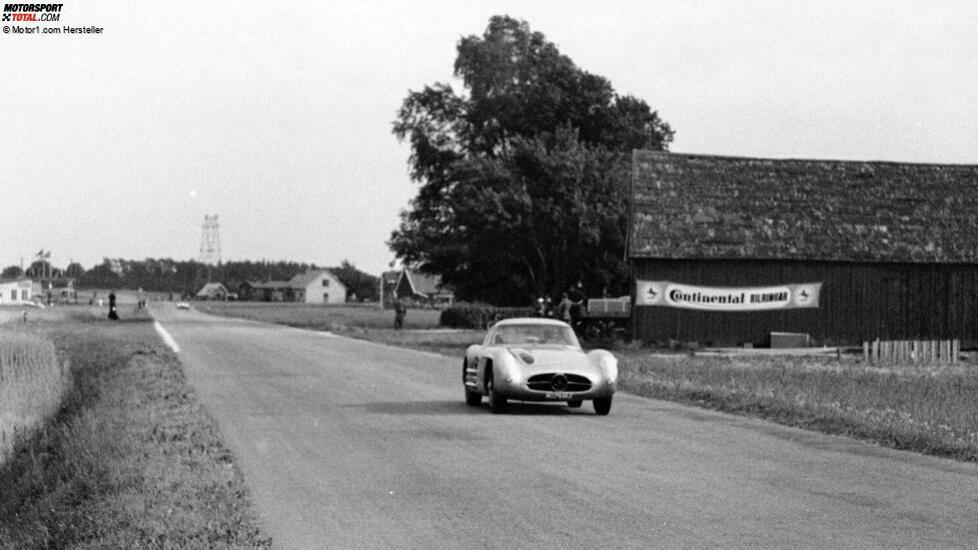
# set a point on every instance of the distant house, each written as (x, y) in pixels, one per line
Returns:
(212, 291)
(422, 289)
(316, 286)
(247, 291)
(16, 291)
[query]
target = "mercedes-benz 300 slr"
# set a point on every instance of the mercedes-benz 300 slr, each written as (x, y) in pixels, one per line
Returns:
(536, 359)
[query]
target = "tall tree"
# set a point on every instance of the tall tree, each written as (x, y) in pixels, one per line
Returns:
(74, 270)
(12, 272)
(522, 187)
(362, 285)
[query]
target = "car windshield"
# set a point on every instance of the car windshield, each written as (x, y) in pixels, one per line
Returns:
(552, 335)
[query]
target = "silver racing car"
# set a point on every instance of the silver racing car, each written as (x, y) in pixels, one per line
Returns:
(536, 359)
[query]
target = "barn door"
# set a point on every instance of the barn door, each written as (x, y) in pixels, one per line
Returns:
(895, 297)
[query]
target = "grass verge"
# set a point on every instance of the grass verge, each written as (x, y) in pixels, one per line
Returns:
(131, 460)
(32, 383)
(333, 318)
(930, 410)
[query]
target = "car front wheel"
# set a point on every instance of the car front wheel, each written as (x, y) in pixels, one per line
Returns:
(602, 406)
(472, 398)
(497, 402)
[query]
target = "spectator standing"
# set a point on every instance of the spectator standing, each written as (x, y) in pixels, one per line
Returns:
(564, 309)
(112, 313)
(576, 296)
(400, 310)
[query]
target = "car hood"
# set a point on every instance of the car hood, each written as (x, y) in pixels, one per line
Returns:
(547, 359)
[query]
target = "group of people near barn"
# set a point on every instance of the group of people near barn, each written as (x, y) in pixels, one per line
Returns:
(570, 308)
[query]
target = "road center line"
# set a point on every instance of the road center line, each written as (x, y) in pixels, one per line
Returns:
(167, 339)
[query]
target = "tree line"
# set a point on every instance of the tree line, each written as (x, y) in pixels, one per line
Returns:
(183, 277)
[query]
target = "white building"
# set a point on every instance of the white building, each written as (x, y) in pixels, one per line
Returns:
(317, 286)
(16, 291)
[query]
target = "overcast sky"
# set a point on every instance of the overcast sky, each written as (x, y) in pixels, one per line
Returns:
(277, 117)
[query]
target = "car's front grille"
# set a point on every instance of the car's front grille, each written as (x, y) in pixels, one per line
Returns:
(559, 382)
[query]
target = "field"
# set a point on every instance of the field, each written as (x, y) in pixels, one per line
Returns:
(130, 459)
(32, 384)
(930, 410)
(336, 318)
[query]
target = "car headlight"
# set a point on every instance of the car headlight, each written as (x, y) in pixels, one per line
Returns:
(610, 367)
(523, 356)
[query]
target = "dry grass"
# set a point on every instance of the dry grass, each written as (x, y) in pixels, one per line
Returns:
(32, 384)
(334, 318)
(931, 410)
(130, 460)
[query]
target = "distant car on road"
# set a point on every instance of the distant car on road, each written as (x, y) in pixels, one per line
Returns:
(183, 305)
(534, 359)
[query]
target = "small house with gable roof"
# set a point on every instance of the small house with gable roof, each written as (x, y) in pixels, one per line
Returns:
(212, 291)
(422, 289)
(317, 286)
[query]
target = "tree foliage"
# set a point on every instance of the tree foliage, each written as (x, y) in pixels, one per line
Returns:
(188, 276)
(12, 272)
(363, 285)
(522, 179)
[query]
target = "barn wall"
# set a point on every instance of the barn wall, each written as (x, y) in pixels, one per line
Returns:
(859, 301)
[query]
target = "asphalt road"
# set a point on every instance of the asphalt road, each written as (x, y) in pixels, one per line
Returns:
(347, 444)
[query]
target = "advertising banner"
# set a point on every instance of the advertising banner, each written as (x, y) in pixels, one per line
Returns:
(704, 298)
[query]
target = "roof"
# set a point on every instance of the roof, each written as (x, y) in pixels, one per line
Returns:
(303, 280)
(429, 285)
(268, 284)
(211, 287)
(529, 321)
(712, 207)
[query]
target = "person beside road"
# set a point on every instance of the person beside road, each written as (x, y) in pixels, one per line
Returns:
(576, 297)
(112, 313)
(400, 310)
(564, 309)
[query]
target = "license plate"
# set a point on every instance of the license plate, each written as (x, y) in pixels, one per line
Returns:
(560, 395)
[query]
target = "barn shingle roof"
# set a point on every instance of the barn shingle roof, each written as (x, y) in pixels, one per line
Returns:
(697, 206)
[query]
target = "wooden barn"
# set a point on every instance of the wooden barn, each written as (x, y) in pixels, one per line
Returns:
(728, 251)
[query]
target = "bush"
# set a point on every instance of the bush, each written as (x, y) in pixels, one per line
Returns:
(479, 316)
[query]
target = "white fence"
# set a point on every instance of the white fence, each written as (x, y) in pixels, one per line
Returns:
(912, 351)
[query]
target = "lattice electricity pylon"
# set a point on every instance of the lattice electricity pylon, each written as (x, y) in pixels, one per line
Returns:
(210, 241)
